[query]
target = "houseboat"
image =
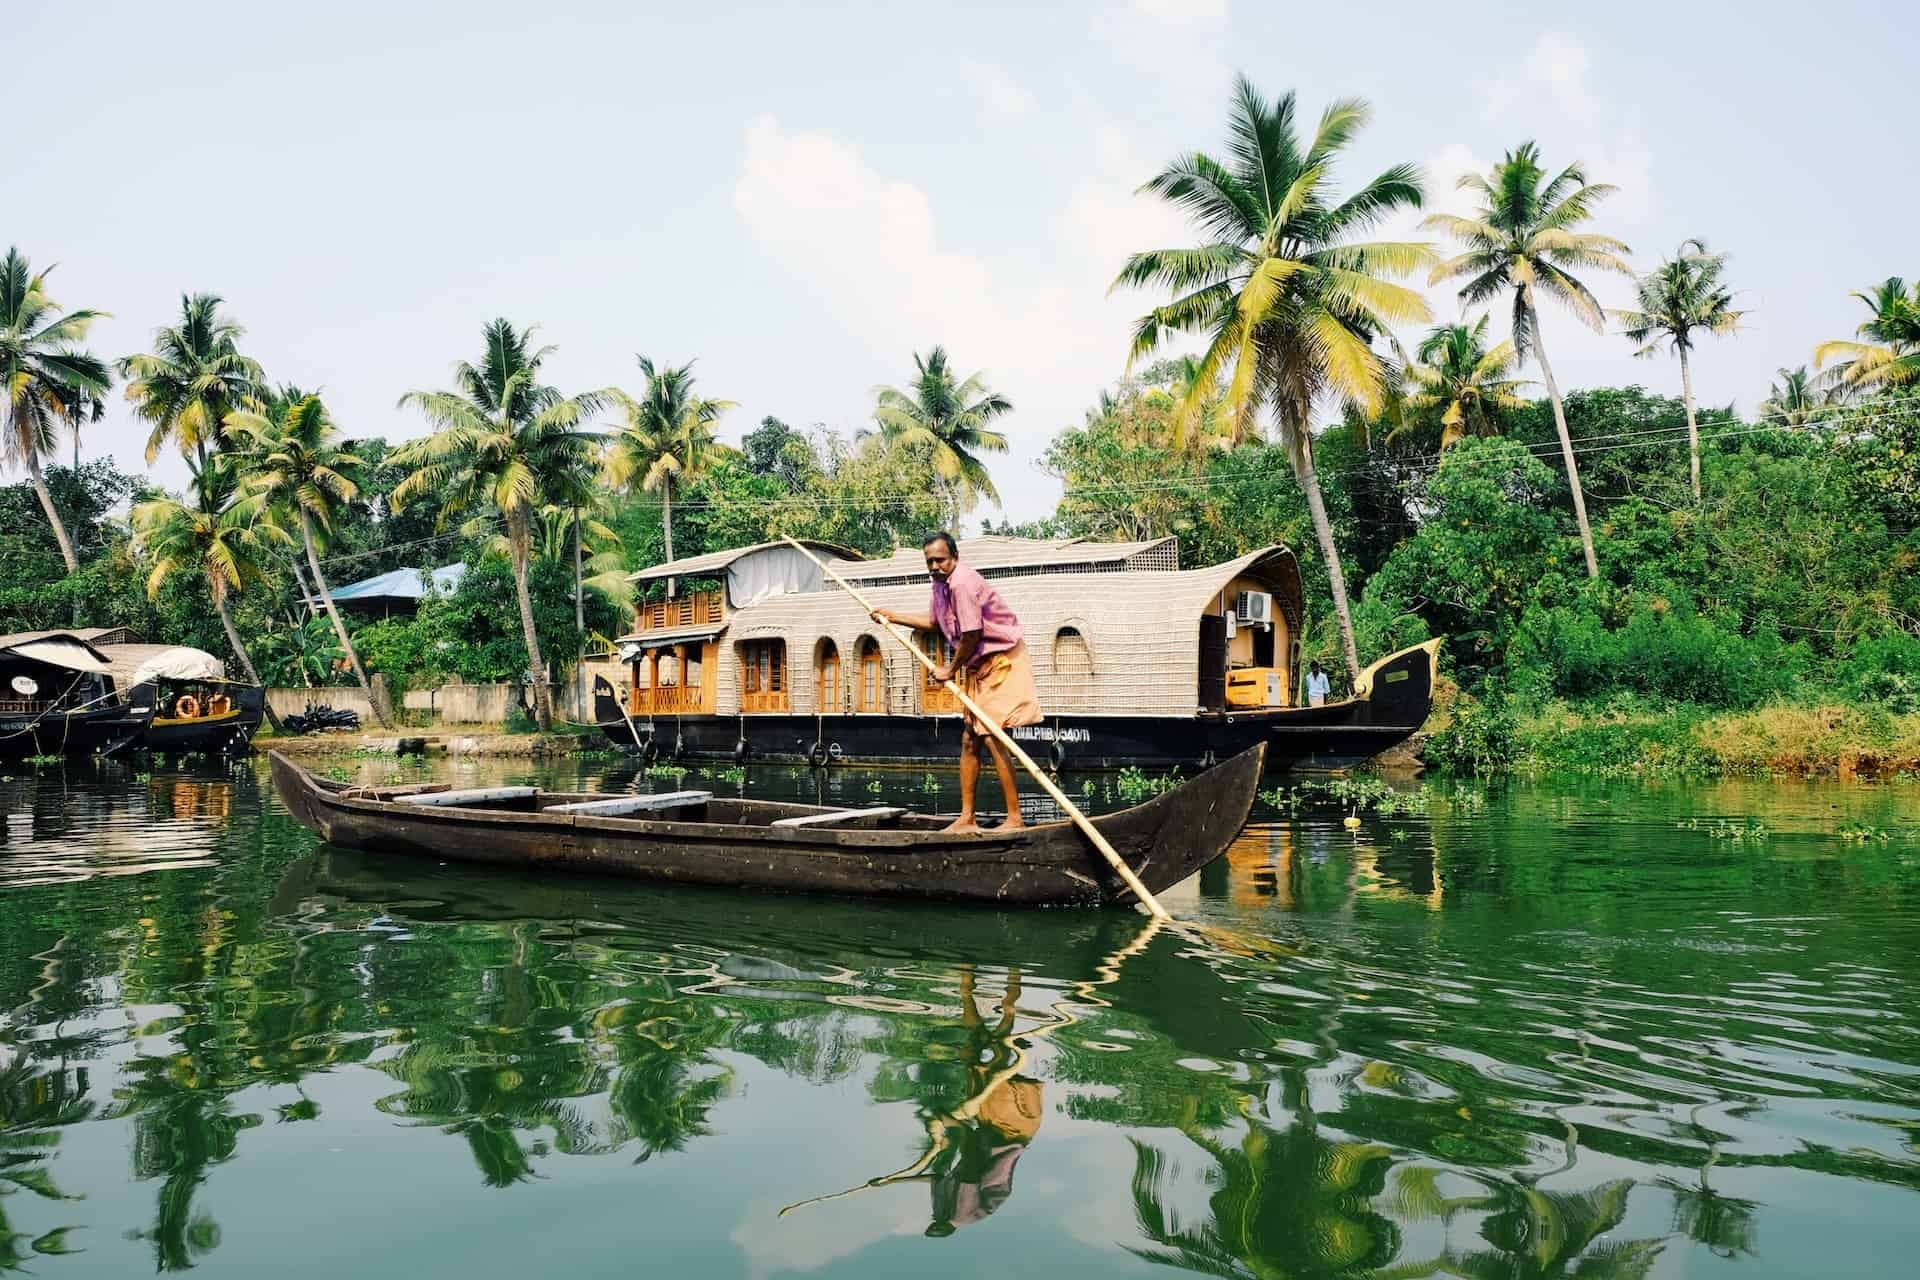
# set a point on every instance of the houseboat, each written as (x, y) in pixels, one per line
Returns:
(199, 711)
(57, 697)
(753, 655)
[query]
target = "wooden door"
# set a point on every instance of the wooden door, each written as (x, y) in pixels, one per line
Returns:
(1213, 662)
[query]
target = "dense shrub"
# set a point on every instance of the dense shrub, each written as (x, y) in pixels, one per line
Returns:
(1483, 736)
(1674, 653)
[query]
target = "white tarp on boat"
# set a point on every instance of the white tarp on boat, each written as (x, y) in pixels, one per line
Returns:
(180, 663)
(62, 651)
(138, 663)
(771, 571)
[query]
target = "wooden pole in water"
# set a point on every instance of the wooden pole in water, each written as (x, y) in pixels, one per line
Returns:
(1080, 820)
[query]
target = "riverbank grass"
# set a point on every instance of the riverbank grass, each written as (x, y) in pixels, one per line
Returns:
(1632, 738)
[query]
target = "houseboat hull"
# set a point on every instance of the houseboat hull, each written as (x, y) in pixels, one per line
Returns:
(72, 733)
(228, 732)
(1339, 735)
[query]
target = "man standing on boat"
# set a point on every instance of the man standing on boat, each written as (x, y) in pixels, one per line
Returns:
(990, 662)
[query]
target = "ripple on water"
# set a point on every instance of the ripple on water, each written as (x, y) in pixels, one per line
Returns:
(1558, 1035)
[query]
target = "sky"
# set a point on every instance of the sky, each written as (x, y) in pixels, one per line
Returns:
(802, 197)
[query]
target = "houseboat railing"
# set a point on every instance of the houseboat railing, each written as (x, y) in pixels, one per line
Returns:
(702, 609)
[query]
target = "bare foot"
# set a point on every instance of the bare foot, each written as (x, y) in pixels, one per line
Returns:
(962, 826)
(1012, 824)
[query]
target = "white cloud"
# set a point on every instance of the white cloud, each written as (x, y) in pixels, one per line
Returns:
(1140, 33)
(867, 247)
(1002, 99)
(1191, 13)
(1550, 95)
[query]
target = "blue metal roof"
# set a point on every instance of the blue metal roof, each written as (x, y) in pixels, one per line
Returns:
(403, 584)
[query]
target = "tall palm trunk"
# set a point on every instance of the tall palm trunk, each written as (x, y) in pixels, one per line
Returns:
(579, 622)
(1566, 447)
(339, 623)
(519, 542)
(1309, 478)
(219, 589)
(53, 515)
(666, 523)
(1693, 431)
(59, 528)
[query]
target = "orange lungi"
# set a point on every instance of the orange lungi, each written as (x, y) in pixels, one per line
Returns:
(1002, 685)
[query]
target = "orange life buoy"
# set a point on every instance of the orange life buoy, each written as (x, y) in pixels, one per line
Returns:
(219, 704)
(188, 707)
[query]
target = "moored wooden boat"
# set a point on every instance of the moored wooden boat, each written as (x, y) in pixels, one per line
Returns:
(697, 838)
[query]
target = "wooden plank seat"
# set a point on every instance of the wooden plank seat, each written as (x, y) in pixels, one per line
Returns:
(838, 816)
(615, 806)
(474, 795)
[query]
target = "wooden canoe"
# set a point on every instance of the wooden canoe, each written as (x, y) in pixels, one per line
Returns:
(760, 844)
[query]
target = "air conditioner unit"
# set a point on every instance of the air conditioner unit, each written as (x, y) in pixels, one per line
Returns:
(1253, 609)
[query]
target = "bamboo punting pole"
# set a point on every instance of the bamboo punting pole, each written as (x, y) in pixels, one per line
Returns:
(1000, 735)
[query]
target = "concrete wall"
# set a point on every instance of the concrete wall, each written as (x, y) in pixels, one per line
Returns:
(292, 702)
(455, 703)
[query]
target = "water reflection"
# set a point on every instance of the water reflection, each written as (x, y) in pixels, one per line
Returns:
(1450, 1047)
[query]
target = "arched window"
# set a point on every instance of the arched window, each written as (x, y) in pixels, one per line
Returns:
(826, 675)
(1072, 665)
(870, 694)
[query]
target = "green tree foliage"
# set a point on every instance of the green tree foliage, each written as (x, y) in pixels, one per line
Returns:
(47, 381)
(292, 458)
(1461, 382)
(1522, 239)
(459, 636)
(506, 443)
(666, 439)
(948, 420)
(222, 536)
(191, 380)
(1285, 293)
(1685, 296)
(1887, 350)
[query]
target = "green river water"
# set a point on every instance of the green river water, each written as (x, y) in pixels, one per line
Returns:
(1590, 1029)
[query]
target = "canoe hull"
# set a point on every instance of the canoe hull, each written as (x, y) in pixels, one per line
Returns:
(1164, 841)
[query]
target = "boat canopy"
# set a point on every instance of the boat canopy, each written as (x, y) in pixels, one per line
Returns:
(55, 649)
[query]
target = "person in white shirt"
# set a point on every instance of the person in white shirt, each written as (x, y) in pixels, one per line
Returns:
(1317, 686)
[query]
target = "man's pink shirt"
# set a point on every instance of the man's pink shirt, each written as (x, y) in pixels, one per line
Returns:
(963, 603)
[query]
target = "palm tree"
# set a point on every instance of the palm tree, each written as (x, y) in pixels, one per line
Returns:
(295, 462)
(47, 381)
(666, 439)
(505, 442)
(1465, 379)
(1289, 299)
(223, 535)
(1796, 400)
(1523, 239)
(1683, 295)
(1890, 353)
(948, 420)
(194, 377)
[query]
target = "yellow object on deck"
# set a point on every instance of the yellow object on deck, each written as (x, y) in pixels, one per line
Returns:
(1257, 687)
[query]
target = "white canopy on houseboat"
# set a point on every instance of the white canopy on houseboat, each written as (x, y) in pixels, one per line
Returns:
(70, 653)
(138, 663)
